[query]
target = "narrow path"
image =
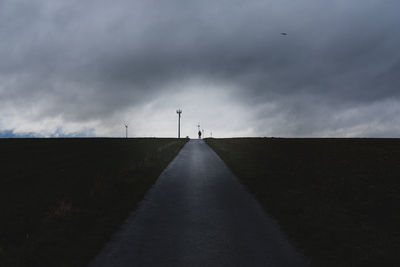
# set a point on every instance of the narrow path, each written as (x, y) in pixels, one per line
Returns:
(198, 214)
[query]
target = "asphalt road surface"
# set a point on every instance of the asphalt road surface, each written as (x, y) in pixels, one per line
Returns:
(198, 214)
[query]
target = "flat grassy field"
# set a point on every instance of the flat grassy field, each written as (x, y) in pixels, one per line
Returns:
(61, 199)
(338, 200)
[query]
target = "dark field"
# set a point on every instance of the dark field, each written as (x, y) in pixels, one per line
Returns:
(338, 200)
(61, 199)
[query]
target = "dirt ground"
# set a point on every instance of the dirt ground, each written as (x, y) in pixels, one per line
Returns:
(338, 200)
(61, 199)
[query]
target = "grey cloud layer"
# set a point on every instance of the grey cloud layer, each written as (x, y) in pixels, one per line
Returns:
(86, 60)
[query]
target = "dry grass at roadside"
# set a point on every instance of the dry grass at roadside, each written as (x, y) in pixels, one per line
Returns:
(338, 200)
(61, 199)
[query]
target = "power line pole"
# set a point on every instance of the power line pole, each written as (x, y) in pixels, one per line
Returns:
(126, 130)
(179, 112)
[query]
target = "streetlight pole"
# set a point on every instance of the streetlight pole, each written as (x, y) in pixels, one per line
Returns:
(179, 112)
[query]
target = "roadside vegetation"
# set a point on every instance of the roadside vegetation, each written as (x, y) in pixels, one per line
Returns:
(61, 199)
(338, 200)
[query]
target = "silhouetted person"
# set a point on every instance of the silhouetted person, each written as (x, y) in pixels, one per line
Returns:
(199, 134)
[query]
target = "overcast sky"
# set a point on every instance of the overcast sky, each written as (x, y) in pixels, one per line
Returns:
(84, 68)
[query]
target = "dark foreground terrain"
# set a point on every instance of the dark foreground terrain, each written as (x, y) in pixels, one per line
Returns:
(338, 200)
(198, 215)
(61, 199)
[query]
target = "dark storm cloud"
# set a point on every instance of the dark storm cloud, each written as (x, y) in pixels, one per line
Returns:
(90, 60)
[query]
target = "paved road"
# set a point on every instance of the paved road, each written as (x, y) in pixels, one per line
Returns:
(198, 214)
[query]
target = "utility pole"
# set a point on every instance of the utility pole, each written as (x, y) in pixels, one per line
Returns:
(179, 112)
(203, 133)
(126, 130)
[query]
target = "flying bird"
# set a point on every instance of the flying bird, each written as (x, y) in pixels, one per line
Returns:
(283, 33)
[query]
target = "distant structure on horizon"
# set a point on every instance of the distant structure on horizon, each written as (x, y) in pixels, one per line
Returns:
(179, 112)
(126, 130)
